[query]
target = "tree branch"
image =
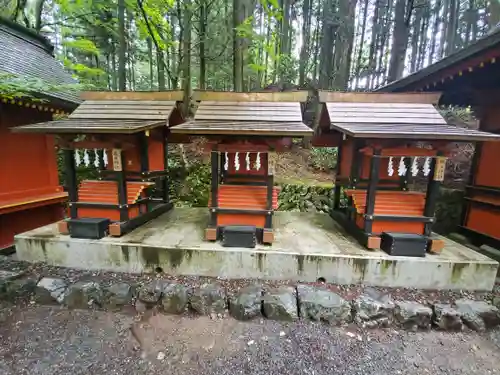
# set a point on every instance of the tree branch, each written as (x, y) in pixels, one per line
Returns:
(409, 12)
(150, 30)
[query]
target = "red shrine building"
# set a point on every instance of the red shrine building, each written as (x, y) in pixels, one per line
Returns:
(471, 77)
(30, 192)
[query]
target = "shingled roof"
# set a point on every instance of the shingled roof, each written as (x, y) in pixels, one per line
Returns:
(398, 120)
(23, 53)
(113, 112)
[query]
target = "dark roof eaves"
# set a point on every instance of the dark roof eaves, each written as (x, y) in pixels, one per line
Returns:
(481, 45)
(30, 35)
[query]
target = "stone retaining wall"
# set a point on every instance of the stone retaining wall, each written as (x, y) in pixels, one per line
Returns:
(372, 309)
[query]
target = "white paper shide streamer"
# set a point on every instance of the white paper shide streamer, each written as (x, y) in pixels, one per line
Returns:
(226, 161)
(390, 167)
(78, 159)
(96, 158)
(414, 167)
(247, 159)
(402, 167)
(257, 161)
(427, 166)
(86, 158)
(237, 161)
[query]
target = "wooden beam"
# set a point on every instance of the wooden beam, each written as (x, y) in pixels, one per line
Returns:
(229, 96)
(379, 97)
(175, 95)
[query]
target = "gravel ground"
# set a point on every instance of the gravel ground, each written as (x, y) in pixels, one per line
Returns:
(39, 340)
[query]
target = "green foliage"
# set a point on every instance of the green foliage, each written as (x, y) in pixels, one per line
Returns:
(323, 158)
(305, 198)
(13, 86)
(82, 172)
(83, 45)
(194, 189)
(448, 211)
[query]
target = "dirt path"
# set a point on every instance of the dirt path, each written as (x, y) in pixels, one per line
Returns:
(53, 341)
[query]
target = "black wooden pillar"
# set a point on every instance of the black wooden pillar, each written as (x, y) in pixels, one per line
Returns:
(270, 189)
(121, 180)
(214, 160)
(165, 180)
(432, 195)
(371, 192)
(144, 153)
(100, 159)
(337, 193)
(404, 179)
(71, 181)
(357, 159)
(222, 171)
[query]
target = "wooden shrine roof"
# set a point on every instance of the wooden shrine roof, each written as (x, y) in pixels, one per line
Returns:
(27, 55)
(398, 121)
(459, 75)
(86, 126)
(112, 112)
(269, 118)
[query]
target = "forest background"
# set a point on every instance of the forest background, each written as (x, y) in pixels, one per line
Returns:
(246, 45)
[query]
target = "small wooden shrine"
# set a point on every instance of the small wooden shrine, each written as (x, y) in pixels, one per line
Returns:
(385, 141)
(244, 130)
(30, 194)
(125, 136)
(471, 77)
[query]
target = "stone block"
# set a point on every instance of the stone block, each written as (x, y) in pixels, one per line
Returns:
(209, 299)
(50, 290)
(280, 304)
(321, 304)
(246, 303)
(413, 315)
(83, 295)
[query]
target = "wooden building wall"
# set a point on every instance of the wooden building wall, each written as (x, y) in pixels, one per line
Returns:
(482, 208)
(29, 184)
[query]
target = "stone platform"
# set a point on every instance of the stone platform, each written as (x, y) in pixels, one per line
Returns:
(307, 246)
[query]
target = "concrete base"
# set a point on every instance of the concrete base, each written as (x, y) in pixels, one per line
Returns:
(307, 246)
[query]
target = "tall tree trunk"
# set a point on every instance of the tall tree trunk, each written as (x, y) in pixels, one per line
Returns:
(494, 10)
(202, 38)
(422, 48)
(445, 23)
(383, 44)
(435, 30)
(150, 58)
(415, 39)
(372, 58)
(402, 15)
(186, 56)
(237, 47)
(317, 45)
(386, 46)
(306, 36)
(329, 31)
(469, 19)
(266, 54)
(122, 72)
(160, 62)
(361, 44)
(260, 56)
(285, 28)
(344, 44)
(38, 14)
(451, 31)
(114, 76)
